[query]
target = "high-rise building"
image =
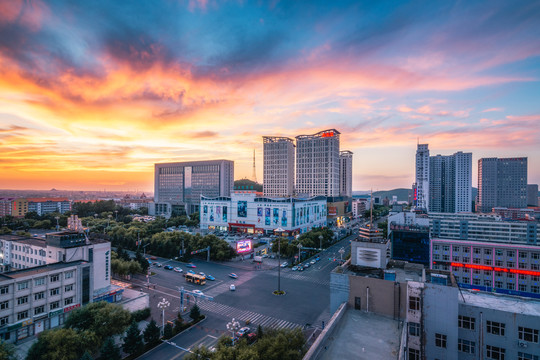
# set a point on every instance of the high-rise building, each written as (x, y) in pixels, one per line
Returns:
(278, 166)
(450, 183)
(178, 186)
(422, 176)
(345, 173)
(502, 183)
(317, 163)
(532, 195)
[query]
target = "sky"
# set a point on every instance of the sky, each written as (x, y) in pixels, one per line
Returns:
(94, 93)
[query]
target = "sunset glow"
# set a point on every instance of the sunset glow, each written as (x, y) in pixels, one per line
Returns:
(92, 94)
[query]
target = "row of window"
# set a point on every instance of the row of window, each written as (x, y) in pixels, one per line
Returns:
(486, 251)
(39, 310)
(41, 281)
(37, 296)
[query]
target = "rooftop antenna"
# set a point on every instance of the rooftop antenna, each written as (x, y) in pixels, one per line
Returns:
(371, 210)
(254, 175)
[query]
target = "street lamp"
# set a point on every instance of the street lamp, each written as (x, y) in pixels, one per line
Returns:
(162, 305)
(341, 252)
(57, 224)
(299, 248)
(233, 327)
(320, 242)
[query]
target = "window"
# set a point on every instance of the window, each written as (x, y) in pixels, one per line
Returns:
(498, 263)
(39, 310)
(476, 261)
(22, 315)
(4, 305)
(525, 356)
(535, 289)
(4, 290)
(523, 255)
(466, 250)
(414, 303)
(68, 301)
(446, 248)
(414, 354)
(487, 251)
(22, 285)
(39, 281)
(39, 295)
(440, 340)
(526, 334)
(535, 256)
(68, 288)
(495, 353)
(495, 328)
(55, 291)
(477, 250)
(510, 253)
(22, 300)
(414, 329)
(466, 346)
(522, 287)
(466, 322)
(510, 264)
(55, 278)
(69, 275)
(510, 286)
(4, 320)
(55, 305)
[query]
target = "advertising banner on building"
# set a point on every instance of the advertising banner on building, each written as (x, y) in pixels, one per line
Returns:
(276, 216)
(332, 211)
(284, 218)
(224, 214)
(267, 216)
(211, 213)
(242, 209)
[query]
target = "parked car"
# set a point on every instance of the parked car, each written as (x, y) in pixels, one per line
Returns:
(251, 337)
(233, 275)
(300, 268)
(191, 265)
(317, 258)
(306, 265)
(210, 277)
(243, 331)
(312, 262)
(157, 264)
(295, 268)
(168, 267)
(284, 264)
(153, 258)
(178, 270)
(232, 287)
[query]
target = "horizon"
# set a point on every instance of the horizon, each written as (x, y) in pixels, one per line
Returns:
(95, 107)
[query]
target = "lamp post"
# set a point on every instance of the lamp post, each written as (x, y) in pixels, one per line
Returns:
(279, 266)
(320, 242)
(233, 327)
(162, 305)
(299, 248)
(341, 252)
(57, 224)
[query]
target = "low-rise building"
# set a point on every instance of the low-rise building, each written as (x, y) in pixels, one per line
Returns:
(49, 205)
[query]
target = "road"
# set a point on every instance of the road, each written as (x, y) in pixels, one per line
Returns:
(305, 304)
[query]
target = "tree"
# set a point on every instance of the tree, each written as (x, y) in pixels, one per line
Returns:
(151, 334)
(86, 356)
(133, 341)
(64, 344)
(109, 350)
(168, 331)
(7, 351)
(259, 332)
(102, 318)
(195, 313)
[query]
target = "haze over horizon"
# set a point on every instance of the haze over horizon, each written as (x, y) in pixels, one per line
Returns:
(93, 94)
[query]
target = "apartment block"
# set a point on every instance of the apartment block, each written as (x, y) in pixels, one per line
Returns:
(278, 166)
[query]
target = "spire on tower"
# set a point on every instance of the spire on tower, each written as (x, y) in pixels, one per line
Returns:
(254, 175)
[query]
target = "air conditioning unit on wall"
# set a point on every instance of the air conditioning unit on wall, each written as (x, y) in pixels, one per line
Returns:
(522, 344)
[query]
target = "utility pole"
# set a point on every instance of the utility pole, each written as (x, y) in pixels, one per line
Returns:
(279, 266)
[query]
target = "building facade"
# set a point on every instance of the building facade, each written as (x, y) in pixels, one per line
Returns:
(278, 166)
(317, 164)
(249, 213)
(502, 183)
(422, 177)
(44, 206)
(532, 195)
(179, 186)
(345, 173)
(450, 183)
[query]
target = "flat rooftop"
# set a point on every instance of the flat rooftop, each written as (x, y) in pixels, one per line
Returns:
(361, 335)
(38, 270)
(513, 304)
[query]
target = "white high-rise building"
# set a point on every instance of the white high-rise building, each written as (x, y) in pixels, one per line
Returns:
(278, 166)
(450, 183)
(317, 163)
(422, 176)
(345, 173)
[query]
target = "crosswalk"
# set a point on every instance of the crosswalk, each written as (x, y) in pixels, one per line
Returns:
(244, 315)
(321, 280)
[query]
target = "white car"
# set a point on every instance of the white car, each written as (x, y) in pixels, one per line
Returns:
(198, 292)
(232, 287)
(284, 264)
(178, 270)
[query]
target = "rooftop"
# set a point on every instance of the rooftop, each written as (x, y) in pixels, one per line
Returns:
(514, 304)
(361, 335)
(38, 270)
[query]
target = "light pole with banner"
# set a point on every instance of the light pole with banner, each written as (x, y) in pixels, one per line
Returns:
(299, 248)
(162, 305)
(341, 252)
(279, 231)
(233, 327)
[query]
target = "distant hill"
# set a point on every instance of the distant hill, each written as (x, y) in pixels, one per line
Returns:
(246, 184)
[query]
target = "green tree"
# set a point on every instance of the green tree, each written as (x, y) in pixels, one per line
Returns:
(86, 356)
(133, 341)
(57, 344)
(151, 334)
(7, 351)
(102, 318)
(195, 313)
(260, 333)
(168, 331)
(109, 350)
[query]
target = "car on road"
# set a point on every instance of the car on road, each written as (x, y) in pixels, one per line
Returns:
(300, 268)
(153, 258)
(191, 272)
(178, 270)
(157, 264)
(265, 256)
(243, 331)
(202, 274)
(191, 265)
(295, 268)
(317, 258)
(210, 277)
(251, 337)
(306, 265)
(284, 264)
(168, 267)
(312, 262)
(232, 287)
(233, 275)
(198, 292)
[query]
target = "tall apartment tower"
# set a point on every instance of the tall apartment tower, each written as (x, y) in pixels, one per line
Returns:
(178, 186)
(450, 183)
(345, 173)
(278, 166)
(422, 176)
(502, 183)
(317, 163)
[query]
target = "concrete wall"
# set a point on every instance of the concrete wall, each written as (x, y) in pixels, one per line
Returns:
(384, 296)
(339, 290)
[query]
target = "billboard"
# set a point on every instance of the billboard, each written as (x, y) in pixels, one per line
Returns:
(242, 209)
(243, 246)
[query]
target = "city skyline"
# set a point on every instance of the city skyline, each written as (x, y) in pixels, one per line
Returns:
(93, 95)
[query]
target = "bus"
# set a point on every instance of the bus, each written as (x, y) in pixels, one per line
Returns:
(196, 279)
